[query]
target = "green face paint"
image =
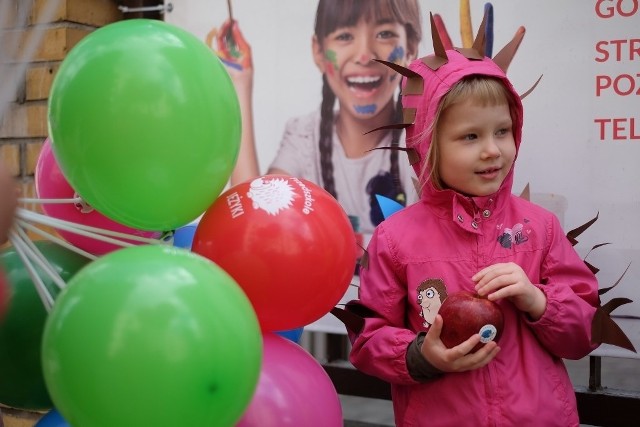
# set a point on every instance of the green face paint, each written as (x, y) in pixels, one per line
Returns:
(332, 58)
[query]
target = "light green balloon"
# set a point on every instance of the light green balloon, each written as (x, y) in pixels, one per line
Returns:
(152, 336)
(145, 123)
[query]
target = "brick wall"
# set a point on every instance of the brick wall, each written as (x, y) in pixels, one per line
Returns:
(23, 126)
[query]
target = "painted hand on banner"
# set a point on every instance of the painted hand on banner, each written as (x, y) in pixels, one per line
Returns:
(234, 51)
(230, 45)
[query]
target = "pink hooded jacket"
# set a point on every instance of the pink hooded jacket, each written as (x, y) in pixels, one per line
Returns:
(449, 237)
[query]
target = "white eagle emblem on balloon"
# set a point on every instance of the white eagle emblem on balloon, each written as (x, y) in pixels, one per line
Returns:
(271, 195)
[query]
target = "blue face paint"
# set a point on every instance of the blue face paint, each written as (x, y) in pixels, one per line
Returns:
(396, 54)
(365, 109)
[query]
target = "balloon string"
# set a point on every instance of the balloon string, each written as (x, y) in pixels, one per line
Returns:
(74, 201)
(84, 230)
(41, 289)
(67, 226)
(55, 239)
(40, 259)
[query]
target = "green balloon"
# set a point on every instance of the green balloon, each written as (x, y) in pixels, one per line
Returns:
(145, 123)
(152, 336)
(21, 379)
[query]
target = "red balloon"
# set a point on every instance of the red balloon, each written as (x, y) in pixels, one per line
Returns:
(51, 184)
(287, 242)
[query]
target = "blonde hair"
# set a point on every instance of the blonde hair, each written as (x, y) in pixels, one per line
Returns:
(482, 90)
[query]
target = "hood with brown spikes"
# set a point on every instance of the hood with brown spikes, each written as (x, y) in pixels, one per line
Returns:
(428, 79)
(436, 83)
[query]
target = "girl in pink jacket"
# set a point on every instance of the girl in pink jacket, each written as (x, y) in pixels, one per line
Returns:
(468, 232)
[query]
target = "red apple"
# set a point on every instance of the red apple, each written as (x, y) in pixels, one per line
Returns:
(465, 314)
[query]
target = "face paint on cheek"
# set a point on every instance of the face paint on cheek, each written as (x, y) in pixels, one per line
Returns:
(332, 61)
(365, 109)
(396, 55)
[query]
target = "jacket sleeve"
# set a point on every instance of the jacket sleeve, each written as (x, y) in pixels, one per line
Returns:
(380, 348)
(572, 298)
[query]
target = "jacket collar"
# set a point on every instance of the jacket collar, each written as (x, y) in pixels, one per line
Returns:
(467, 212)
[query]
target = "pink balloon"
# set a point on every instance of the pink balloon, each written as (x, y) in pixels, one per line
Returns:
(293, 390)
(51, 184)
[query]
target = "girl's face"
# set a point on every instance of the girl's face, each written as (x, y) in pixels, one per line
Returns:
(476, 147)
(362, 86)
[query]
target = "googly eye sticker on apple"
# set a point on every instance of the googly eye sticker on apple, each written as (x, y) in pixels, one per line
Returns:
(487, 333)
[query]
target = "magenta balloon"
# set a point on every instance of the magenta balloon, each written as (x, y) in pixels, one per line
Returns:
(51, 184)
(293, 390)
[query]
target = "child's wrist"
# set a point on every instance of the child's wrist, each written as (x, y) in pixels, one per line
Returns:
(538, 306)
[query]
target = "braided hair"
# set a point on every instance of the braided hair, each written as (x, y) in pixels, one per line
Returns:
(326, 137)
(395, 143)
